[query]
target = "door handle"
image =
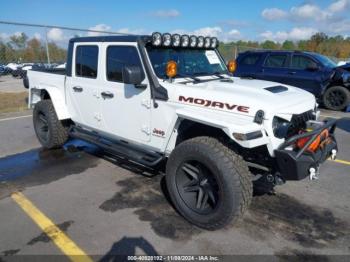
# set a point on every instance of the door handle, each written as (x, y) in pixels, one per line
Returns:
(77, 89)
(292, 73)
(107, 95)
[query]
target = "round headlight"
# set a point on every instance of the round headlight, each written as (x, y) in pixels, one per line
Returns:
(156, 39)
(176, 40)
(200, 41)
(185, 39)
(193, 41)
(280, 127)
(214, 42)
(207, 42)
(166, 39)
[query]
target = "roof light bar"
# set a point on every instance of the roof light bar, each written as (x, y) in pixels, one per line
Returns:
(193, 41)
(214, 42)
(207, 42)
(185, 41)
(175, 40)
(166, 39)
(156, 39)
(200, 43)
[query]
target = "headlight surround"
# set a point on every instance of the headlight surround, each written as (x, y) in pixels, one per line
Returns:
(280, 127)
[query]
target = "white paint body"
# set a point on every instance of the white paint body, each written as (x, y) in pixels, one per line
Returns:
(130, 114)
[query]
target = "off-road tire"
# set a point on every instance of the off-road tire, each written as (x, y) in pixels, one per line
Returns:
(57, 134)
(336, 90)
(231, 173)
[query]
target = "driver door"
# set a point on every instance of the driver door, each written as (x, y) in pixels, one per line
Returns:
(300, 74)
(125, 109)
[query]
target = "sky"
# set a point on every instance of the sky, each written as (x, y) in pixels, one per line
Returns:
(229, 20)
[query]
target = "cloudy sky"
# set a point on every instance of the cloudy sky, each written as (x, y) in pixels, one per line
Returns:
(227, 19)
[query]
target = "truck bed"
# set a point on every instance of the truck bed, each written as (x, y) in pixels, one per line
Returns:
(45, 79)
(58, 71)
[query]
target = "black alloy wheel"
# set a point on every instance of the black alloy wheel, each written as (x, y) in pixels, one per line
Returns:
(197, 187)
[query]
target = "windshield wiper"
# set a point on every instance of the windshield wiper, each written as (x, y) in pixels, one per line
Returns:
(195, 79)
(189, 76)
(220, 75)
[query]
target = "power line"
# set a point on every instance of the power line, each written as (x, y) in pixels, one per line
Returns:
(61, 27)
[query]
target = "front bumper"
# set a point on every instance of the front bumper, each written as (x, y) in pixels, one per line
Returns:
(295, 164)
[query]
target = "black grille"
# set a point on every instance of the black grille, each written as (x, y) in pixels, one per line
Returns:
(298, 122)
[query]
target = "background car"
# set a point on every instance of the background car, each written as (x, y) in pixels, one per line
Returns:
(309, 71)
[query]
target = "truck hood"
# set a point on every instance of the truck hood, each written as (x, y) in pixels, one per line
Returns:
(242, 96)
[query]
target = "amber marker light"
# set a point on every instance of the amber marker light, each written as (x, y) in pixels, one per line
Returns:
(171, 69)
(231, 66)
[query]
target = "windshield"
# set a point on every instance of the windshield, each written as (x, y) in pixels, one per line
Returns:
(327, 62)
(190, 62)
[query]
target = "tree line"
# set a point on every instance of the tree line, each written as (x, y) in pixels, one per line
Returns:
(20, 48)
(332, 46)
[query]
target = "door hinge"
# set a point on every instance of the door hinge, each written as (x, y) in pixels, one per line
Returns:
(146, 103)
(98, 117)
(146, 129)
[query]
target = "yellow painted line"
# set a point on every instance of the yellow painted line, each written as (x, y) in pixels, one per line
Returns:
(62, 241)
(341, 161)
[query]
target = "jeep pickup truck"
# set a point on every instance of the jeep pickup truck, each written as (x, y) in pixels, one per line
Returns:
(170, 100)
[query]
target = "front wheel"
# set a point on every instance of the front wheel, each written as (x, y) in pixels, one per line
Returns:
(336, 98)
(208, 183)
(48, 128)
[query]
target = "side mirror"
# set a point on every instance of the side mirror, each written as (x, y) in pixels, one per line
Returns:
(133, 75)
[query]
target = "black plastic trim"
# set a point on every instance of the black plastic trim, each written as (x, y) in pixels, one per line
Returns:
(157, 91)
(69, 62)
(295, 165)
(276, 89)
(119, 148)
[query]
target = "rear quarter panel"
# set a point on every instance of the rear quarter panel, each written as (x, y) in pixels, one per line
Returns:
(54, 84)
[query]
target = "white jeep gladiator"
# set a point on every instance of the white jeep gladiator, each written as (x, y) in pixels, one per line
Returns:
(170, 99)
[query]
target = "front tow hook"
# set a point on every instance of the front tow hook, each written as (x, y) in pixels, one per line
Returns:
(314, 173)
(334, 154)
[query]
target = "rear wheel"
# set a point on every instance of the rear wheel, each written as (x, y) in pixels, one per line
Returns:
(336, 98)
(208, 183)
(48, 128)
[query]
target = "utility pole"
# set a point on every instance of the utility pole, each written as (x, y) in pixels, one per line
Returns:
(47, 47)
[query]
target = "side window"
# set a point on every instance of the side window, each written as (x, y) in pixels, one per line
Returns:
(301, 62)
(275, 61)
(251, 59)
(117, 58)
(86, 58)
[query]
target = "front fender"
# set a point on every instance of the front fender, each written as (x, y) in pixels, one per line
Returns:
(57, 99)
(229, 122)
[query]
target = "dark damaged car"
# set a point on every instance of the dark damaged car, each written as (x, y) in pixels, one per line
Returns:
(309, 71)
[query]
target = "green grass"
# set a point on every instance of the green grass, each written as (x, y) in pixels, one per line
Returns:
(13, 102)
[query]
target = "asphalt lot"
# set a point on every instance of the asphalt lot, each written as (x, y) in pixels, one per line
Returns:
(109, 207)
(9, 84)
